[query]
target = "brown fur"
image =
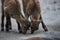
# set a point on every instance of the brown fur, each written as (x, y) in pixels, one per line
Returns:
(32, 9)
(12, 8)
(8, 20)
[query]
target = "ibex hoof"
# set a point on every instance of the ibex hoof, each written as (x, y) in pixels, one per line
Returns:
(7, 30)
(46, 30)
(32, 31)
(2, 29)
(24, 32)
(10, 28)
(20, 31)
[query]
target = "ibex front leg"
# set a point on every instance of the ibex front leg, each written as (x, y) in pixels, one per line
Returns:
(8, 22)
(19, 27)
(2, 18)
(2, 22)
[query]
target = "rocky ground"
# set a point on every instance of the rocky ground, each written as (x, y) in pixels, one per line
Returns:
(51, 16)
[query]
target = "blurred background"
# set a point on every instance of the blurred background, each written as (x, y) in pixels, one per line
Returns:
(50, 11)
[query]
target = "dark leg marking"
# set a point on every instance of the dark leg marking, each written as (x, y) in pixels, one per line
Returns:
(19, 27)
(2, 18)
(43, 25)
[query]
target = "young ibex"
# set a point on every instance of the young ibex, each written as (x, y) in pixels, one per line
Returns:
(8, 20)
(32, 9)
(12, 10)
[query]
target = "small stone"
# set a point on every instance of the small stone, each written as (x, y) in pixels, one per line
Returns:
(55, 2)
(58, 8)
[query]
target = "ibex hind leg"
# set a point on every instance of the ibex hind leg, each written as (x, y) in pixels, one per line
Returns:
(10, 24)
(43, 25)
